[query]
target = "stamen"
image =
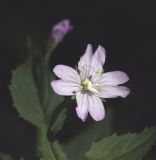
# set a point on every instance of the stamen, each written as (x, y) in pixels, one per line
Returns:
(87, 72)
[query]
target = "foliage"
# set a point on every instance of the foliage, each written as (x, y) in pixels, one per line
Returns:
(36, 103)
(123, 147)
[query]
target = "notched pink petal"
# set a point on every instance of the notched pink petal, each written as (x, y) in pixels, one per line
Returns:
(86, 58)
(113, 78)
(82, 106)
(96, 108)
(98, 61)
(113, 92)
(64, 87)
(100, 55)
(67, 73)
(81, 115)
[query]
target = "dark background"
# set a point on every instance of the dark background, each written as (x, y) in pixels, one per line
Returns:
(125, 28)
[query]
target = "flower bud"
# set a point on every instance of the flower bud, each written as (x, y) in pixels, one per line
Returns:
(60, 30)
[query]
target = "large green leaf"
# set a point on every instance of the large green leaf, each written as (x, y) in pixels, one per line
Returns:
(123, 147)
(32, 94)
(77, 146)
(5, 157)
(25, 95)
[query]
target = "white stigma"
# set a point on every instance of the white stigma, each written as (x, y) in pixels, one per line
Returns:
(88, 86)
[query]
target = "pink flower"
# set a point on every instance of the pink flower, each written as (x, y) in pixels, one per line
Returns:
(89, 84)
(61, 29)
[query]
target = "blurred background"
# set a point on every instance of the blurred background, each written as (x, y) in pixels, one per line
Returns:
(125, 28)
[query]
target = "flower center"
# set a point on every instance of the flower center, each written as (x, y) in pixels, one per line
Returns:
(88, 86)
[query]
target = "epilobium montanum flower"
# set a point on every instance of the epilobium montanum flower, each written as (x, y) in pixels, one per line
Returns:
(90, 84)
(60, 30)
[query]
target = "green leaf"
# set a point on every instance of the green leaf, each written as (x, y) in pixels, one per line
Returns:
(5, 157)
(60, 155)
(25, 95)
(32, 94)
(58, 124)
(77, 146)
(123, 147)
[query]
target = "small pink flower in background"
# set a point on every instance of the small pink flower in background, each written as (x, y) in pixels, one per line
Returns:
(89, 84)
(61, 29)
